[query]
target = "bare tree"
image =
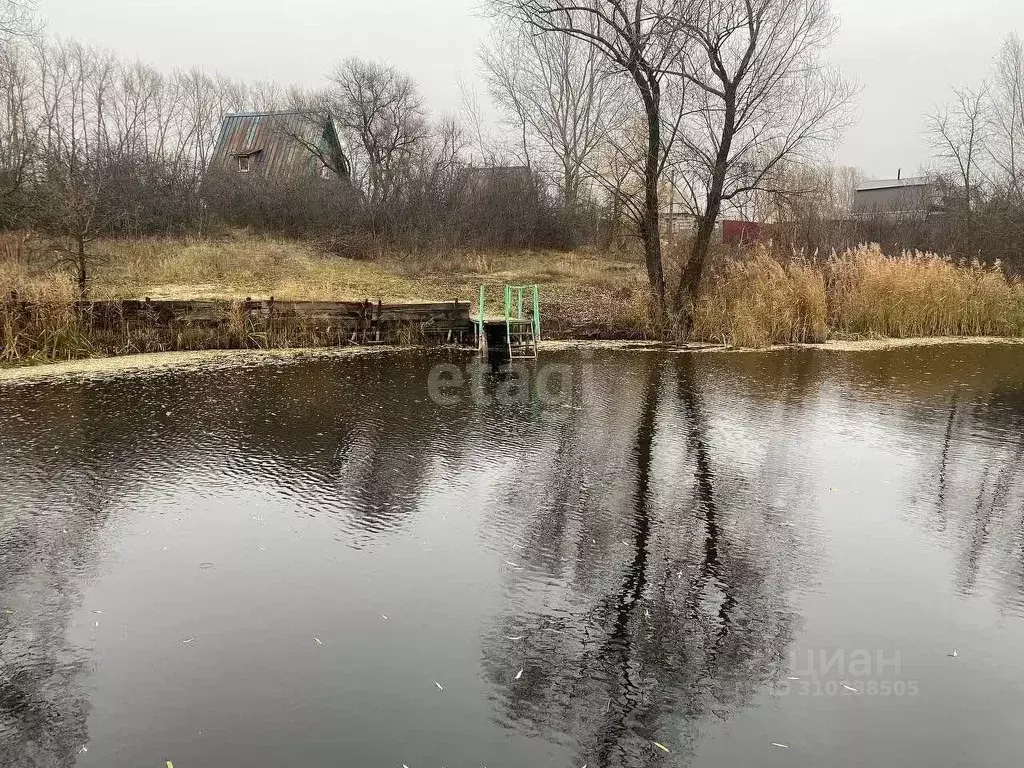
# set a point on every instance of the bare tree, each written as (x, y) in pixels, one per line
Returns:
(68, 196)
(559, 96)
(759, 97)
(642, 39)
(619, 172)
(19, 18)
(958, 134)
(19, 127)
(383, 110)
(1006, 143)
(472, 114)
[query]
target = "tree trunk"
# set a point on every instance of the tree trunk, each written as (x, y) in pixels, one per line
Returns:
(692, 274)
(613, 224)
(649, 230)
(81, 268)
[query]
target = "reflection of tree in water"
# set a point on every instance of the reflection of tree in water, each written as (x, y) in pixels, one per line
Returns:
(644, 635)
(953, 415)
(359, 437)
(979, 488)
(74, 453)
(42, 704)
(60, 469)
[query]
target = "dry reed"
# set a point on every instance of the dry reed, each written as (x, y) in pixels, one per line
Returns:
(759, 301)
(763, 300)
(920, 294)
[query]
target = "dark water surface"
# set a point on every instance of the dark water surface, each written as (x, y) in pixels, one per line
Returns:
(285, 565)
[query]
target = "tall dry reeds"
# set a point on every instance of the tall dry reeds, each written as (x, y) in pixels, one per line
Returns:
(38, 321)
(760, 301)
(920, 294)
(763, 299)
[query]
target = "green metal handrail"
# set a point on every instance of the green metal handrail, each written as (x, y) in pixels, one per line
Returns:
(514, 303)
(480, 317)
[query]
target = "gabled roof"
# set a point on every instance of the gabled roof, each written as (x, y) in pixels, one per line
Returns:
(281, 138)
(917, 181)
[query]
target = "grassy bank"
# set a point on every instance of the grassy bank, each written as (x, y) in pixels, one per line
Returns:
(755, 301)
(581, 291)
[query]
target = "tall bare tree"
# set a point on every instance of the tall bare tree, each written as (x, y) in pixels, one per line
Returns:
(68, 195)
(384, 112)
(641, 39)
(559, 96)
(959, 134)
(19, 127)
(1006, 144)
(759, 96)
(19, 19)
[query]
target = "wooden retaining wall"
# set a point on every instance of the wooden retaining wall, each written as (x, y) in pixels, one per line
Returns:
(347, 322)
(119, 327)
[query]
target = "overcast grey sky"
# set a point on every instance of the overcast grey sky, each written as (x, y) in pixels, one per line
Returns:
(906, 54)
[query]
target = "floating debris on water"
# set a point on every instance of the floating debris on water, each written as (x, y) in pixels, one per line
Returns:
(206, 565)
(849, 688)
(188, 640)
(170, 764)
(439, 686)
(384, 616)
(781, 746)
(954, 654)
(661, 746)
(519, 674)
(318, 641)
(98, 612)
(792, 678)
(514, 637)
(85, 748)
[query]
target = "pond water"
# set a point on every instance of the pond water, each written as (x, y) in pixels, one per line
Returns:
(334, 563)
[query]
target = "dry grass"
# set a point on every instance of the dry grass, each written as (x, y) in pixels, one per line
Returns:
(51, 330)
(580, 290)
(756, 302)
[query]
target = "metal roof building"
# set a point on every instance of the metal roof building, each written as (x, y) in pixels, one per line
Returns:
(915, 196)
(278, 144)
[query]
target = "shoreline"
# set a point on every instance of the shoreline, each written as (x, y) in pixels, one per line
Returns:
(213, 359)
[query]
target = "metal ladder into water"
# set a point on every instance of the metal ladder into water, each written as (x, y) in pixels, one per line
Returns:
(521, 320)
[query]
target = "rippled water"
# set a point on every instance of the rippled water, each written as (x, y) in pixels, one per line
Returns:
(315, 564)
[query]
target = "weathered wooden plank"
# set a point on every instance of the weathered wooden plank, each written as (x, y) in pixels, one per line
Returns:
(347, 321)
